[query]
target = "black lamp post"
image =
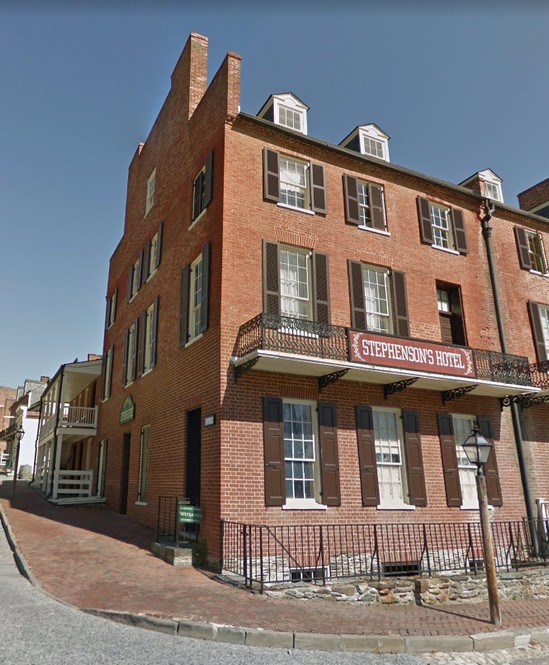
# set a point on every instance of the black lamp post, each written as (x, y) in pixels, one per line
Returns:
(19, 434)
(478, 449)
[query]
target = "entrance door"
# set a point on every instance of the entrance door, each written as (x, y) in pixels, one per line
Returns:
(192, 473)
(125, 473)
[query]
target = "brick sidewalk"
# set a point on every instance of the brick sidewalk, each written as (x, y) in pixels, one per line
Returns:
(94, 558)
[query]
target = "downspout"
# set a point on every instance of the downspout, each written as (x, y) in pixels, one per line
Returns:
(36, 444)
(489, 208)
(54, 456)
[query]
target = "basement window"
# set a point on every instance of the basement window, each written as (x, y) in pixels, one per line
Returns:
(308, 574)
(401, 569)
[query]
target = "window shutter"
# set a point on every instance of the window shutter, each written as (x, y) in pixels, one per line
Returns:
(126, 352)
(110, 371)
(425, 224)
(273, 452)
(356, 290)
(133, 350)
(154, 332)
(204, 305)
(184, 306)
(322, 288)
(104, 375)
(458, 226)
(114, 303)
(141, 268)
(400, 303)
(208, 179)
(140, 332)
(129, 283)
(350, 193)
(523, 248)
(271, 278)
(329, 462)
(197, 195)
(414, 459)
(449, 459)
(271, 175)
(493, 487)
(108, 312)
(145, 260)
(159, 246)
(537, 330)
(318, 188)
(367, 456)
(377, 209)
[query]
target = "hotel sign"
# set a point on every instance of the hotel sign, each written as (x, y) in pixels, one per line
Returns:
(408, 354)
(127, 412)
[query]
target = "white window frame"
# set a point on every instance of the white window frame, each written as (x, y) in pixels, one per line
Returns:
(294, 194)
(290, 288)
(111, 304)
(398, 497)
(195, 296)
(377, 312)
(314, 501)
(130, 358)
(143, 484)
(153, 254)
(544, 323)
(365, 208)
(107, 386)
(199, 181)
(492, 190)
(149, 321)
(443, 301)
(443, 231)
(536, 252)
(136, 278)
(466, 470)
(289, 104)
(151, 187)
(370, 133)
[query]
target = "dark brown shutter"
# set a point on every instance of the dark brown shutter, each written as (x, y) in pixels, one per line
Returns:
(129, 283)
(208, 179)
(377, 209)
(322, 288)
(109, 377)
(273, 452)
(271, 278)
(108, 312)
(425, 224)
(114, 304)
(367, 456)
(535, 320)
(350, 193)
(318, 188)
(356, 291)
(400, 303)
(523, 248)
(154, 332)
(184, 306)
(271, 175)
(457, 320)
(133, 350)
(125, 356)
(145, 260)
(104, 374)
(197, 195)
(329, 461)
(414, 459)
(140, 332)
(446, 334)
(142, 270)
(493, 487)
(449, 459)
(204, 305)
(159, 246)
(458, 225)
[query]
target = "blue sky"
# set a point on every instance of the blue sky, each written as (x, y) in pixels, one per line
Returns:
(459, 87)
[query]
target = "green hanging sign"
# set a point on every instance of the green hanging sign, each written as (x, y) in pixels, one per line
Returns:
(127, 412)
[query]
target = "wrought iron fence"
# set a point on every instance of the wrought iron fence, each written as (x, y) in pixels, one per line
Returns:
(265, 555)
(271, 332)
(166, 523)
(540, 374)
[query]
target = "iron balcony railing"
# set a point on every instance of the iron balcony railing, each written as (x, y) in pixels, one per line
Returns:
(271, 332)
(265, 555)
(540, 374)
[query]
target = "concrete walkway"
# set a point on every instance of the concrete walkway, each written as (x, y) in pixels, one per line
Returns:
(100, 561)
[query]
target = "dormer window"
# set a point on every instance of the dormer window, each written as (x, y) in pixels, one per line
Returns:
(368, 140)
(491, 184)
(286, 110)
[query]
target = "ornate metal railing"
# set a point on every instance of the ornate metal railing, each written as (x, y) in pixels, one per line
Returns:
(540, 374)
(271, 332)
(264, 555)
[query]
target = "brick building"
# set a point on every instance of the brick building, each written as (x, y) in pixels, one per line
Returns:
(7, 398)
(302, 333)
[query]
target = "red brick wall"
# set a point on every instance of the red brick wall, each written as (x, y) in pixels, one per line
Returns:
(534, 196)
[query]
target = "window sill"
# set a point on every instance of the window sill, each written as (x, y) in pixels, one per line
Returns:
(148, 371)
(150, 276)
(289, 207)
(446, 249)
(127, 385)
(141, 503)
(193, 340)
(537, 272)
(303, 504)
(399, 506)
(372, 230)
(197, 219)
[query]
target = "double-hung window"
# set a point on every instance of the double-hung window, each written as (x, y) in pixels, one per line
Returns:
(203, 187)
(150, 331)
(151, 187)
(193, 315)
(296, 283)
(463, 426)
(441, 226)
(300, 451)
(134, 279)
(539, 318)
(294, 183)
(531, 250)
(130, 353)
(107, 372)
(390, 458)
(110, 315)
(378, 299)
(364, 204)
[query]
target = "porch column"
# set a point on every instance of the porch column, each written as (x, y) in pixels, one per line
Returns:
(57, 466)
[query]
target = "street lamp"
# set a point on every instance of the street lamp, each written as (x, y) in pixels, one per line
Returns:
(19, 434)
(477, 449)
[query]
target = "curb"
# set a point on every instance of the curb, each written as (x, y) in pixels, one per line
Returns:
(259, 637)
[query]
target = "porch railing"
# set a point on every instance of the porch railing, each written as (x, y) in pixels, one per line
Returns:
(540, 374)
(72, 483)
(78, 416)
(265, 555)
(271, 332)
